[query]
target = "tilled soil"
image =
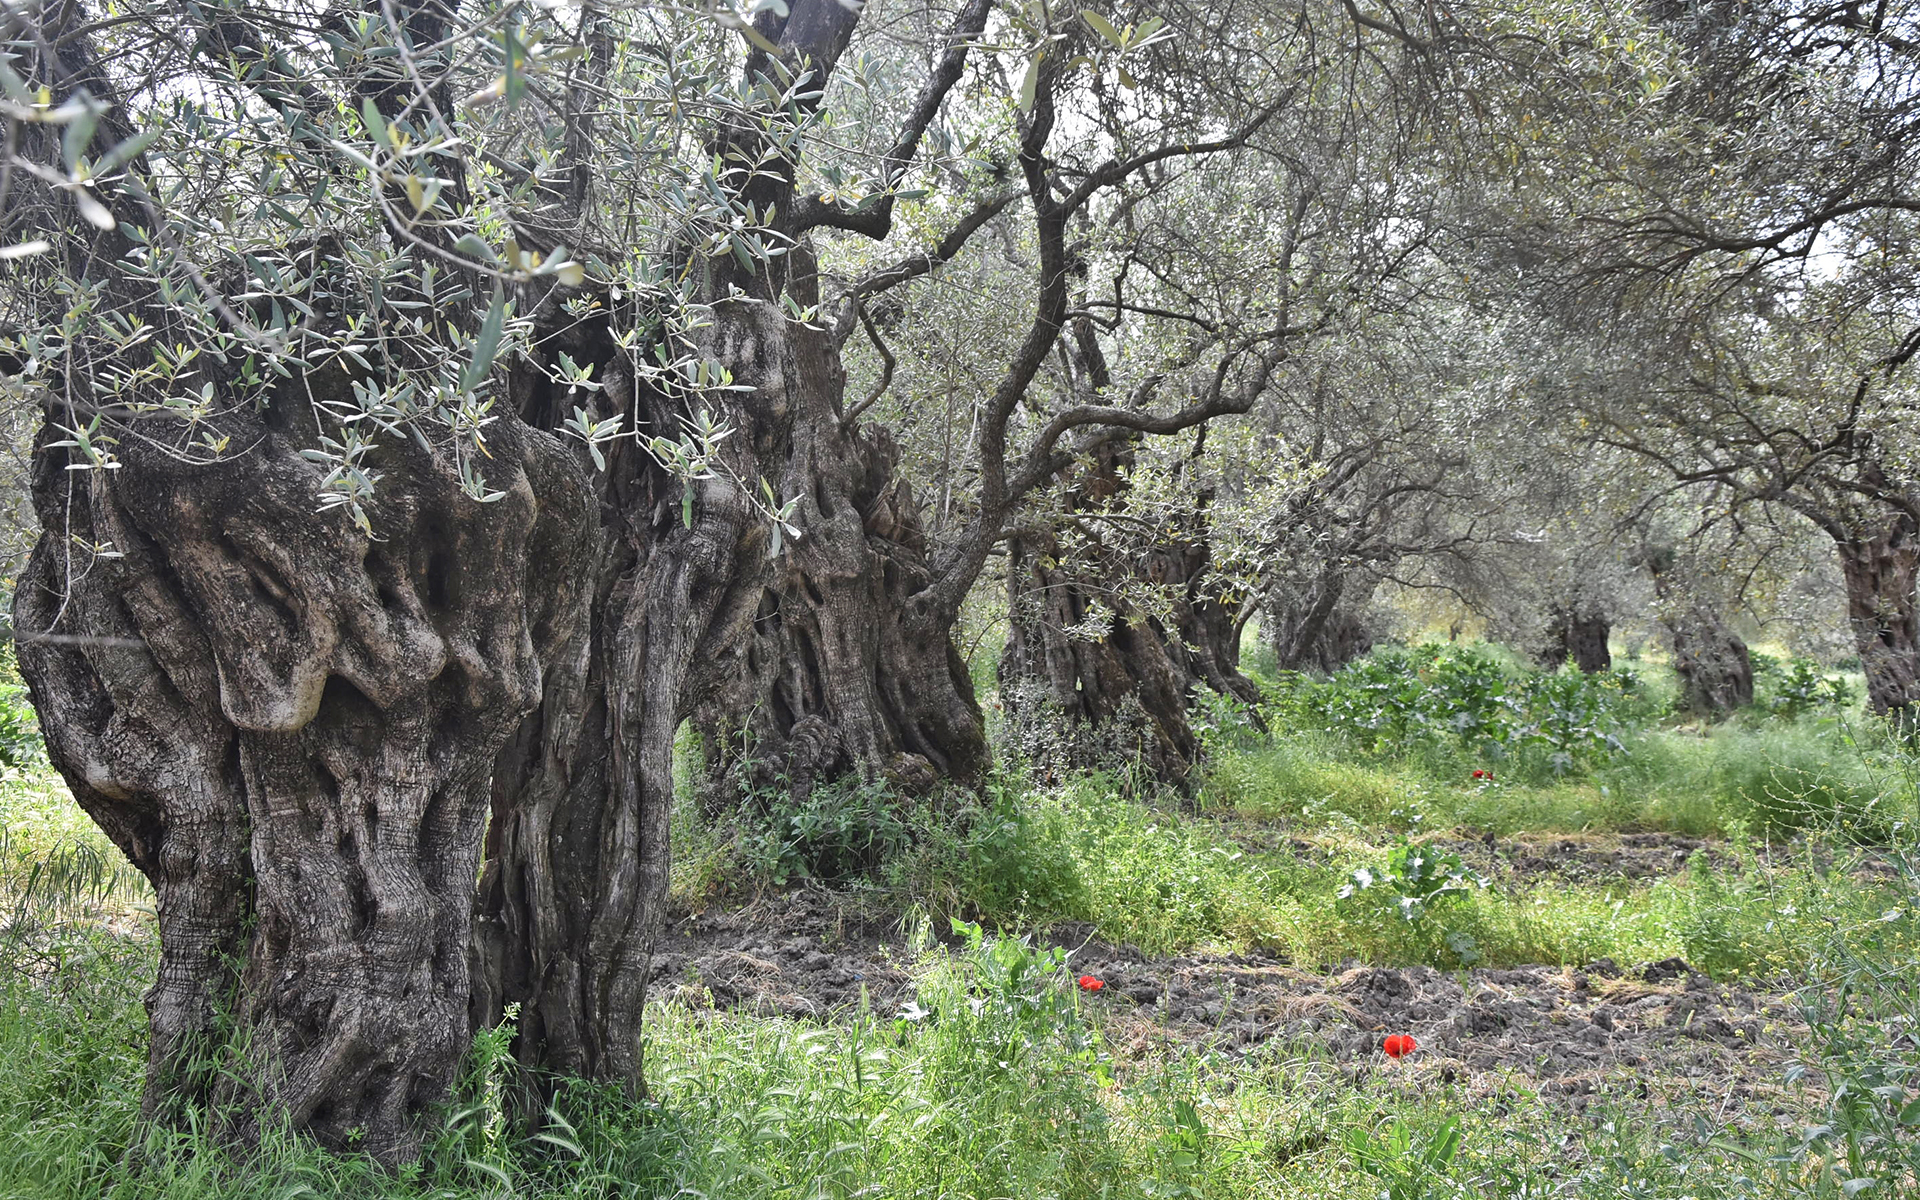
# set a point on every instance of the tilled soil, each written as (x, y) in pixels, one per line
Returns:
(1631, 857)
(1570, 1032)
(1531, 857)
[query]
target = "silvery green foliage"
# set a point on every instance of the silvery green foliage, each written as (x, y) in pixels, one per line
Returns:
(375, 214)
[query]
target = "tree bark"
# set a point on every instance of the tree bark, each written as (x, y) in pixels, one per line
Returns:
(574, 893)
(1580, 636)
(575, 889)
(288, 725)
(1323, 634)
(850, 670)
(1880, 569)
(1077, 701)
(1086, 701)
(1716, 673)
(1206, 624)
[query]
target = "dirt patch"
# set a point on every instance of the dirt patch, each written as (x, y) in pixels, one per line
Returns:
(1566, 1030)
(1585, 858)
(1569, 1031)
(1596, 858)
(803, 954)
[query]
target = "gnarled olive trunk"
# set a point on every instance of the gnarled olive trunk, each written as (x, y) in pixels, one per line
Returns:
(1317, 631)
(1078, 697)
(1716, 673)
(1573, 633)
(850, 670)
(1880, 569)
(1205, 623)
(288, 724)
(575, 887)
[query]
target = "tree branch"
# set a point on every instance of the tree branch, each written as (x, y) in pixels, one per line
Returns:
(811, 212)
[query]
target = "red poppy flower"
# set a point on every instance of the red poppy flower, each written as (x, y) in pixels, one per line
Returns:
(1479, 774)
(1400, 1045)
(1089, 984)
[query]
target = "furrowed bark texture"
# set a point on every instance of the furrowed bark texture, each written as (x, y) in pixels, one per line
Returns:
(575, 889)
(1076, 701)
(1580, 636)
(1319, 631)
(1716, 673)
(289, 726)
(849, 671)
(575, 886)
(1206, 625)
(1880, 568)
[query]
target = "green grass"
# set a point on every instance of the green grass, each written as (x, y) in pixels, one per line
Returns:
(1256, 862)
(1149, 877)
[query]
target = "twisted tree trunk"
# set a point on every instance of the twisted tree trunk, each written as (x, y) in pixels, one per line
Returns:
(1880, 568)
(1205, 623)
(1079, 698)
(1321, 632)
(574, 892)
(1573, 633)
(288, 723)
(1716, 672)
(850, 670)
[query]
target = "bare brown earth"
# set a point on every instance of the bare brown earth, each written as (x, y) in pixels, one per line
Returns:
(1567, 1033)
(1523, 857)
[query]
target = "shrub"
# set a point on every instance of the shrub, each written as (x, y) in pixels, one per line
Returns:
(832, 833)
(1009, 858)
(1781, 779)
(1797, 687)
(1466, 699)
(20, 744)
(1410, 882)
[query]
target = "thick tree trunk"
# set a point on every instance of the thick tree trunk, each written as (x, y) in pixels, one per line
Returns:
(1082, 698)
(849, 671)
(1206, 626)
(574, 893)
(1587, 642)
(288, 725)
(1077, 700)
(1580, 636)
(1880, 570)
(1716, 673)
(1321, 633)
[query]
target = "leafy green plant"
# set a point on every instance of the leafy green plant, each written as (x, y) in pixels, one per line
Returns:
(831, 833)
(1571, 716)
(20, 744)
(1409, 1165)
(1020, 996)
(1798, 687)
(1465, 699)
(1011, 859)
(1224, 722)
(1412, 880)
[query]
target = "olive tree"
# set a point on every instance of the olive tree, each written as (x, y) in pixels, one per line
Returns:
(440, 406)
